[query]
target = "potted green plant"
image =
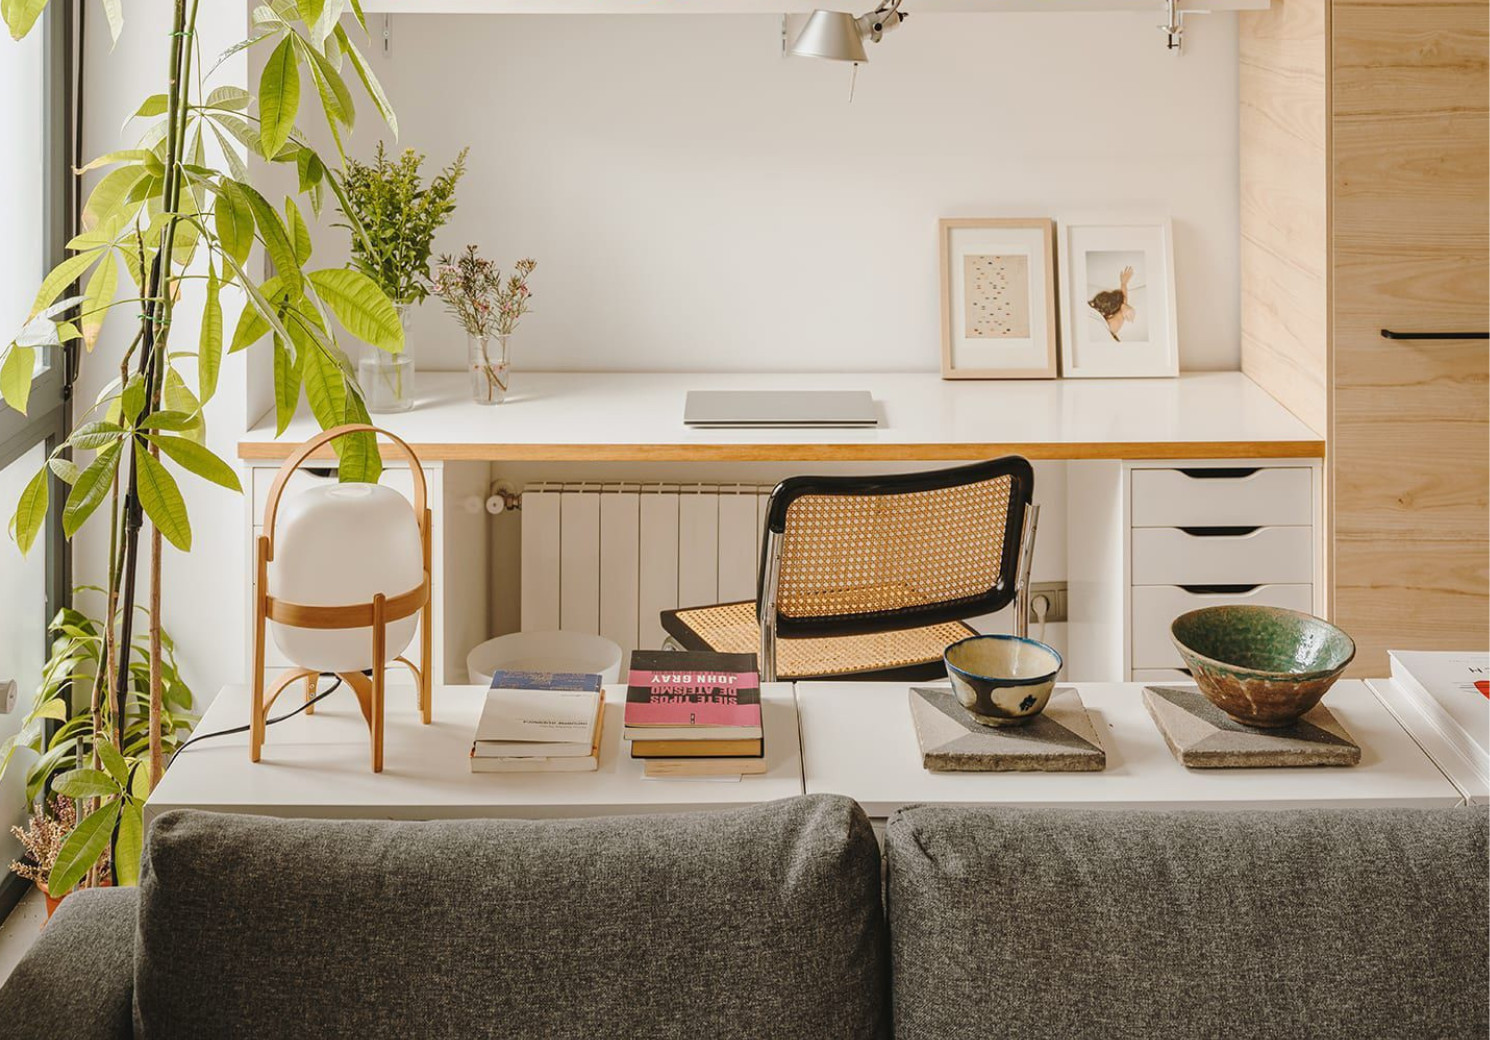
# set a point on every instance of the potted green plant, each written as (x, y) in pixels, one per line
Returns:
(488, 307)
(399, 215)
(168, 218)
(70, 728)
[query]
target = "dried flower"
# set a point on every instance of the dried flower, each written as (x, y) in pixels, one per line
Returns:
(474, 292)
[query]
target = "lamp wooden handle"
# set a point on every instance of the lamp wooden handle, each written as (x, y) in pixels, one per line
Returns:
(300, 454)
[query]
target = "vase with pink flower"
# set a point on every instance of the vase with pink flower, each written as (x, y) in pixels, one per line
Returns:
(489, 308)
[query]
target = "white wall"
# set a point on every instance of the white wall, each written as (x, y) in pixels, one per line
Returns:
(695, 201)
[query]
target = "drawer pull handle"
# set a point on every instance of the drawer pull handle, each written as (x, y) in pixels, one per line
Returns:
(1218, 532)
(1389, 334)
(323, 472)
(1219, 590)
(1219, 472)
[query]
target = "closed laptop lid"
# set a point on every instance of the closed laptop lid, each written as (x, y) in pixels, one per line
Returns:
(780, 408)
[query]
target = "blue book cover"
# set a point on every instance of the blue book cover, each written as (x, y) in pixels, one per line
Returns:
(545, 681)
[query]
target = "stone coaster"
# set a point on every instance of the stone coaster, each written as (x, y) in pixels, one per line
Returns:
(1061, 739)
(1203, 736)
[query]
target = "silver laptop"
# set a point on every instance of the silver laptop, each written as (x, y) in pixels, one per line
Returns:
(780, 408)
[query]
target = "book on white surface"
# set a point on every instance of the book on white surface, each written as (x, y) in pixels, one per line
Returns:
(537, 757)
(693, 733)
(1443, 700)
(537, 724)
(587, 764)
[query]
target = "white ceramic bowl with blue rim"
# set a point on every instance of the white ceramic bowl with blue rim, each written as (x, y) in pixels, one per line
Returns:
(1002, 680)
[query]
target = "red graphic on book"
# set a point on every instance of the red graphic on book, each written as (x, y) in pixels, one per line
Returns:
(692, 698)
(1483, 685)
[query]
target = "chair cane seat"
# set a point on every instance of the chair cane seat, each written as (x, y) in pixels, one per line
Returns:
(733, 628)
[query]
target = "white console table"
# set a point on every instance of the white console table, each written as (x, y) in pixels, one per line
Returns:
(854, 739)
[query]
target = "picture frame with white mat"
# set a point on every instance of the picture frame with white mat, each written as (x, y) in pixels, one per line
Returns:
(1117, 284)
(998, 297)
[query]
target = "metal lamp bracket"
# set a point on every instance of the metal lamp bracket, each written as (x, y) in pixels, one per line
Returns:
(1174, 25)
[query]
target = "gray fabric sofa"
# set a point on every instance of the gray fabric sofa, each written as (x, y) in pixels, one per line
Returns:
(768, 922)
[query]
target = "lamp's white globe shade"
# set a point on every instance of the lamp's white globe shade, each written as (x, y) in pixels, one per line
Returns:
(337, 545)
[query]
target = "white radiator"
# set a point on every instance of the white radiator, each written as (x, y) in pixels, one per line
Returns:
(607, 558)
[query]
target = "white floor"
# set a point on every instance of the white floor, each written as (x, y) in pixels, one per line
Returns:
(19, 930)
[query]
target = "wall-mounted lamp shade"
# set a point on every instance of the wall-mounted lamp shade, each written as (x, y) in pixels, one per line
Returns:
(830, 34)
(340, 544)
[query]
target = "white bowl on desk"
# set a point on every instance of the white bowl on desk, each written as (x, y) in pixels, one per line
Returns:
(545, 652)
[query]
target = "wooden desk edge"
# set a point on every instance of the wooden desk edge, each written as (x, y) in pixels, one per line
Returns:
(851, 452)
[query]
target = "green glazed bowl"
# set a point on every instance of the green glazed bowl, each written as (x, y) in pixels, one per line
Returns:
(1263, 666)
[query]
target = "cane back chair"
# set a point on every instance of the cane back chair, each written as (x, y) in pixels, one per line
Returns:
(874, 576)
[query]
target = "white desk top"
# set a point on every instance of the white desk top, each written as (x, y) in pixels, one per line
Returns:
(319, 766)
(637, 416)
(858, 740)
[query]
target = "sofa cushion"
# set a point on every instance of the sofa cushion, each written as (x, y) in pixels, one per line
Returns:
(76, 980)
(1075, 923)
(756, 922)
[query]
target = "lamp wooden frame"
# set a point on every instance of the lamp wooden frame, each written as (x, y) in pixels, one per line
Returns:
(375, 614)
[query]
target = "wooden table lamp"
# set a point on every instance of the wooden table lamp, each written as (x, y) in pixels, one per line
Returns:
(342, 584)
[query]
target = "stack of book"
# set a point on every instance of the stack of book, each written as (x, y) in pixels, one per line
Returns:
(695, 714)
(1443, 700)
(540, 722)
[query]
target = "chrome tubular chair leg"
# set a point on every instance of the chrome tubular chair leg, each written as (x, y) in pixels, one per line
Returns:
(766, 609)
(1022, 579)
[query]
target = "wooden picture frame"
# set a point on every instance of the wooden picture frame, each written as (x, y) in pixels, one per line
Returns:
(1125, 265)
(998, 297)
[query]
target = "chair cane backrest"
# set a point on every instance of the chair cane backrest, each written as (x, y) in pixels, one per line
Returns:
(866, 554)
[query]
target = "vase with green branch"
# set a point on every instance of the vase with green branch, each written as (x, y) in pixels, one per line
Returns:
(488, 307)
(388, 199)
(174, 216)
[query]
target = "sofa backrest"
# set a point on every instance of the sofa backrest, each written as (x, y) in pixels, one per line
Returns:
(752, 923)
(1072, 923)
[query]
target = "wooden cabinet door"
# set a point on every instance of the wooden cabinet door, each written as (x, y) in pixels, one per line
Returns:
(1409, 442)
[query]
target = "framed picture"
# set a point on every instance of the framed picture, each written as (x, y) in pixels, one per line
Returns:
(1117, 281)
(998, 298)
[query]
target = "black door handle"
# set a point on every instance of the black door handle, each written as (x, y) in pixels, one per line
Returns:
(1389, 334)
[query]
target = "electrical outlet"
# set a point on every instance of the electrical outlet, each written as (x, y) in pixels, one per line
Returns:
(1055, 592)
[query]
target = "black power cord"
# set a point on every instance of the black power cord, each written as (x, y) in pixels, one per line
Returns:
(278, 718)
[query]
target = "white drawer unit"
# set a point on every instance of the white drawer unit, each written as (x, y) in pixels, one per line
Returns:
(1223, 556)
(1148, 540)
(1223, 496)
(1154, 608)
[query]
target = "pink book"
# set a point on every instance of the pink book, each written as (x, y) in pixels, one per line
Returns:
(692, 688)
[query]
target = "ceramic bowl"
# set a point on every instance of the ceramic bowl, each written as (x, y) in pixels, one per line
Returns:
(1002, 680)
(1263, 666)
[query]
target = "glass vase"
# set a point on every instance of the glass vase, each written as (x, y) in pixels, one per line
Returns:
(489, 365)
(388, 379)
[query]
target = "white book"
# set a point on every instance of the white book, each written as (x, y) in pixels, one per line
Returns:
(1441, 698)
(537, 724)
(587, 764)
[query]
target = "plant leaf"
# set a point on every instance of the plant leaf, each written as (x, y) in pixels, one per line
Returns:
(369, 81)
(154, 105)
(21, 15)
(358, 452)
(114, 196)
(98, 294)
(31, 511)
(200, 460)
(128, 844)
(15, 376)
(276, 240)
(61, 276)
(94, 435)
(67, 470)
(91, 488)
(114, 762)
(234, 98)
(162, 499)
(209, 345)
(132, 401)
(360, 306)
(86, 783)
(279, 96)
(233, 218)
(299, 233)
(325, 389)
(114, 11)
(286, 385)
(81, 849)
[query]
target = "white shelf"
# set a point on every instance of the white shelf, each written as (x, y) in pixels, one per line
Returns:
(638, 416)
(783, 6)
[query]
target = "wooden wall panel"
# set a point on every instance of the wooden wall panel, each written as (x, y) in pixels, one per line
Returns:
(1284, 204)
(1410, 237)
